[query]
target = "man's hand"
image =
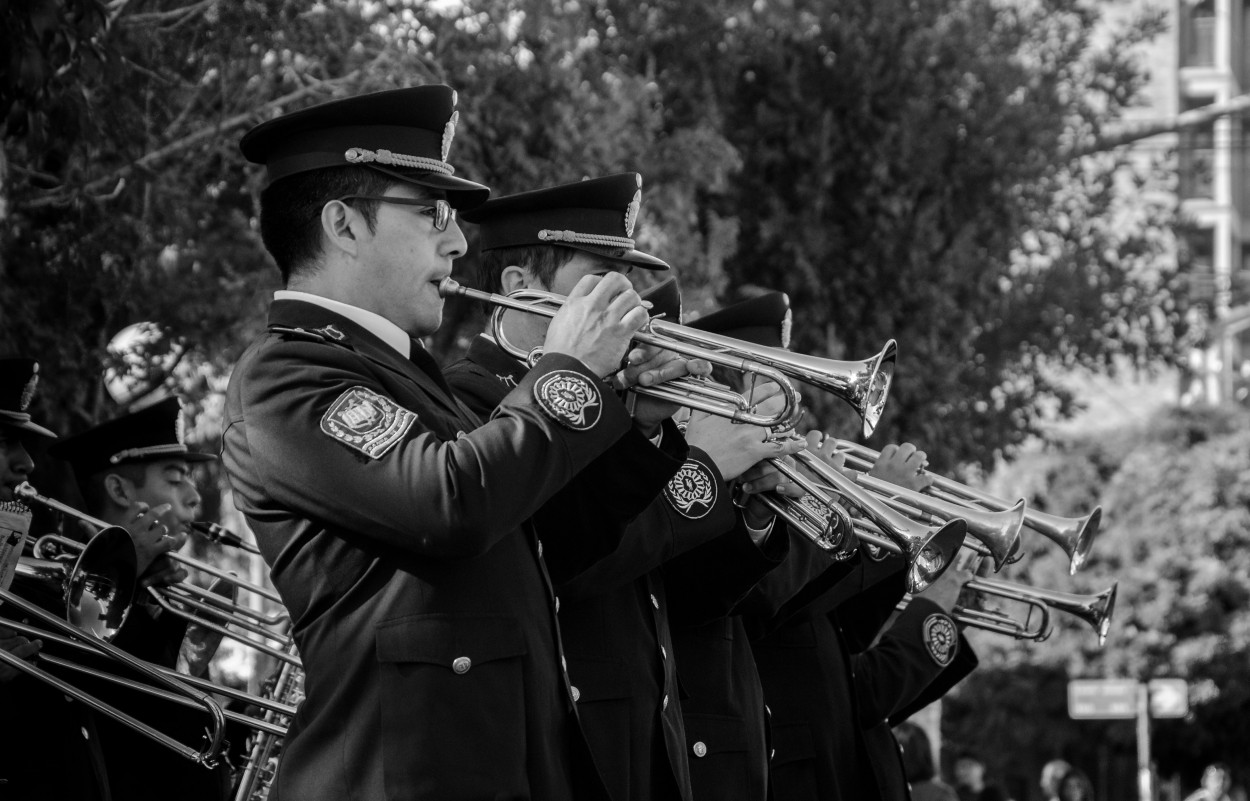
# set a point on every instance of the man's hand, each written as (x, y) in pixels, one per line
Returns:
(903, 466)
(596, 322)
(649, 366)
(735, 447)
(764, 477)
(20, 647)
(945, 590)
(153, 539)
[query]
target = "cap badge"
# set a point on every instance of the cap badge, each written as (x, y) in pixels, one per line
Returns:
(449, 133)
(569, 399)
(28, 392)
(367, 422)
(631, 213)
(940, 638)
(692, 490)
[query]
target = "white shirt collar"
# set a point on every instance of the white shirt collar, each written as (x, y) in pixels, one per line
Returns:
(372, 322)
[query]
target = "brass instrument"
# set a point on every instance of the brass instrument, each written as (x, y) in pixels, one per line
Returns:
(1095, 610)
(927, 549)
(995, 532)
(223, 536)
(864, 384)
(97, 590)
(1075, 535)
(184, 600)
(285, 687)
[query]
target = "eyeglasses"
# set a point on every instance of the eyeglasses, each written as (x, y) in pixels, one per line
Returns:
(443, 213)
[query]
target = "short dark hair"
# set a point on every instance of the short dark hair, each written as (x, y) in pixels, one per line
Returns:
(541, 260)
(290, 211)
(92, 486)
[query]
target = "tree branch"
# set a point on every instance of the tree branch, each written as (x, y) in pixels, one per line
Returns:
(1181, 122)
(149, 160)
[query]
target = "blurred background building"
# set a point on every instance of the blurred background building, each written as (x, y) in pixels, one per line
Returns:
(1210, 64)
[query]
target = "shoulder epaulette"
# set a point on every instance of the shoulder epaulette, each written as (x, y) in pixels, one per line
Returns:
(328, 334)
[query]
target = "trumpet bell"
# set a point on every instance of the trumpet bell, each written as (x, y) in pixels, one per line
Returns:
(929, 557)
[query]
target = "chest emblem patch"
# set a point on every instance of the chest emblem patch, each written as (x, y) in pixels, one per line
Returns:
(366, 421)
(692, 491)
(940, 639)
(569, 399)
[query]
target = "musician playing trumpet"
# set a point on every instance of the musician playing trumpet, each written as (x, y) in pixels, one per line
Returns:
(830, 688)
(624, 674)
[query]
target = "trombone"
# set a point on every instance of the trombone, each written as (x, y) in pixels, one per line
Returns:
(1075, 535)
(928, 549)
(97, 589)
(864, 384)
(185, 599)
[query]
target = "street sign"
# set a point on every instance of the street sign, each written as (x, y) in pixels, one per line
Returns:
(1102, 699)
(1169, 698)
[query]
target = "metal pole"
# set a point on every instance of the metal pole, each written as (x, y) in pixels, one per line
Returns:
(1145, 780)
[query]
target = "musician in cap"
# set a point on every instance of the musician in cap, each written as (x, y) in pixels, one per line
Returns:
(627, 693)
(51, 748)
(799, 656)
(395, 520)
(135, 471)
(18, 380)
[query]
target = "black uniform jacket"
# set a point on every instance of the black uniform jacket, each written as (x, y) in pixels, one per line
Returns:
(888, 690)
(49, 745)
(138, 768)
(824, 696)
(393, 527)
(723, 706)
(614, 612)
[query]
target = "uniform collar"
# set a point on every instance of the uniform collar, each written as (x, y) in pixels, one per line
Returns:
(372, 322)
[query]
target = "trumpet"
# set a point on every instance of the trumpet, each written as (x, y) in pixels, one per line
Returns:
(864, 384)
(1095, 610)
(927, 549)
(1075, 535)
(97, 589)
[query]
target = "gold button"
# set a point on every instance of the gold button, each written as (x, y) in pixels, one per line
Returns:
(700, 749)
(654, 602)
(85, 736)
(461, 664)
(576, 693)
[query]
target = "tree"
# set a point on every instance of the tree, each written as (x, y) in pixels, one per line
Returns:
(1175, 537)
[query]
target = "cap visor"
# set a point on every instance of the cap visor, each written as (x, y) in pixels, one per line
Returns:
(13, 421)
(461, 194)
(644, 260)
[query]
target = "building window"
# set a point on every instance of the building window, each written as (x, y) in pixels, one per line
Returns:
(1197, 154)
(1199, 43)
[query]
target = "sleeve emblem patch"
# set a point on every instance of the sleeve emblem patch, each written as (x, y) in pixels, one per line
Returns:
(692, 491)
(940, 638)
(569, 399)
(366, 421)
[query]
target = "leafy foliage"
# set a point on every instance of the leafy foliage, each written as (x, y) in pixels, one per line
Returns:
(1176, 540)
